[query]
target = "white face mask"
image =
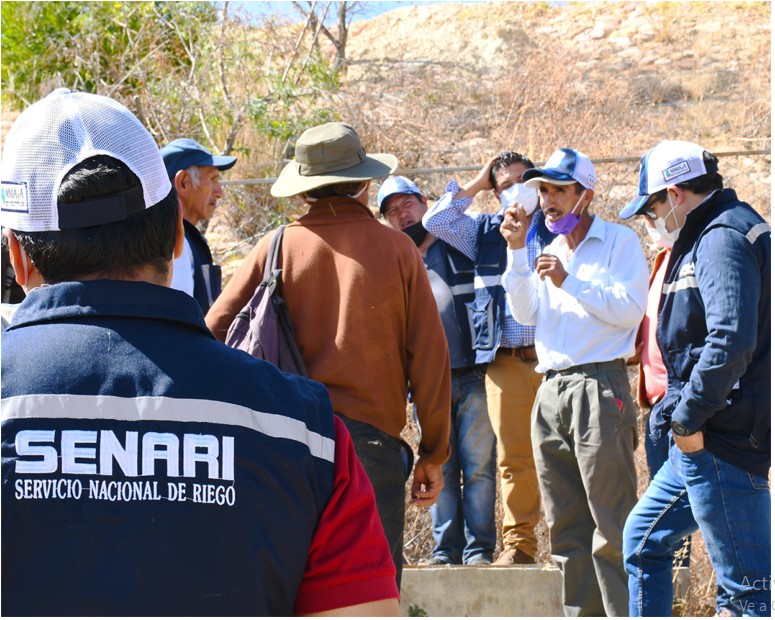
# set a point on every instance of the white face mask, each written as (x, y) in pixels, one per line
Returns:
(660, 224)
(518, 193)
(656, 237)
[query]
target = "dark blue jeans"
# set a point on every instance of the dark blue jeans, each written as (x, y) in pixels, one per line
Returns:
(388, 462)
(732, 509)
(464, 515)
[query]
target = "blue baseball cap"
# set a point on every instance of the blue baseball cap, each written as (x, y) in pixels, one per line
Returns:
(670, 162)
(393, 186)
(184, 152)
(564, 167)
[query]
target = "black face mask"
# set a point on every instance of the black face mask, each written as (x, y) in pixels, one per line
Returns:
(417, 233)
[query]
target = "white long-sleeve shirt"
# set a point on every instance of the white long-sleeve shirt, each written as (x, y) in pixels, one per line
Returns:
(594, 316)
(183, 270)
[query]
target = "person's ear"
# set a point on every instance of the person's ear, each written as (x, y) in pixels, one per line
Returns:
(678, 194)
(27, 275)
(182, 182)
(180, 235)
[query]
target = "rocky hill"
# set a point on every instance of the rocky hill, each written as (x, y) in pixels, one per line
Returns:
(642, 69)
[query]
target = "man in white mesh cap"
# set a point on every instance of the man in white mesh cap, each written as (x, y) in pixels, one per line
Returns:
(147, 468)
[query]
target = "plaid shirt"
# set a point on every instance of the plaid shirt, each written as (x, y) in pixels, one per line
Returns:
(450, 221)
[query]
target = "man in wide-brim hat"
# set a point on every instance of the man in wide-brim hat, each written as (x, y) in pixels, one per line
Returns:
(364, 316)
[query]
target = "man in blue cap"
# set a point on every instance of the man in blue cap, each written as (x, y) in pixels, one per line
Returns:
(464, 515)
(149, 470)
(196, 175)
(586, 296)
(714, 334)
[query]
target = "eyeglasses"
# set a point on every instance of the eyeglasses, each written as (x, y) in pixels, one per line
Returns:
(648, 209)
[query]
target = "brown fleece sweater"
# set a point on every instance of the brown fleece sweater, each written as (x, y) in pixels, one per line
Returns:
(365, 318)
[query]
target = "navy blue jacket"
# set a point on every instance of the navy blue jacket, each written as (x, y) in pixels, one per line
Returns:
(453, 273)
(149, 469)
(489, 304)
(714, 332)
(207, 275)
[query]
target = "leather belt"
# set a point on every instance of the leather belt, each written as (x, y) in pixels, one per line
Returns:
(526, 354)
(463, 369)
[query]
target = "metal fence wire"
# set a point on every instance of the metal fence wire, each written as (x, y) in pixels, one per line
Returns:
(252, 211)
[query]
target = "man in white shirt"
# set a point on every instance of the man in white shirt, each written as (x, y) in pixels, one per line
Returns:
(586, 297)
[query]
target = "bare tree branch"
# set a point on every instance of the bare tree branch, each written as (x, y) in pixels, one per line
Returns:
(295, 51)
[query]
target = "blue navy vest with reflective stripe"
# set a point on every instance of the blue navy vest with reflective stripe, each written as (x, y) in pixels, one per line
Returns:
(455, 271)
(741, 432)
(488, 307)
(150, 470)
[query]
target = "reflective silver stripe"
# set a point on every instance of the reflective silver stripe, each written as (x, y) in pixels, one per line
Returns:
(462, 289)
(756, 232)
(162, 408)
(487, 281)
(683, 283)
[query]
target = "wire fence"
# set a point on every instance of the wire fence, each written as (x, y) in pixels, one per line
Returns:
(250, 210)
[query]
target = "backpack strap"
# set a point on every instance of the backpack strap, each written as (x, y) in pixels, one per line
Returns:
(271, 272)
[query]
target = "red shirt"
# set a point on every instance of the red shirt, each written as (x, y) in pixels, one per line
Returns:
(349, 560)
(654, 374)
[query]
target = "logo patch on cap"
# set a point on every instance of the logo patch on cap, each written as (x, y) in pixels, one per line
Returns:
(676, 170)
(13, 197)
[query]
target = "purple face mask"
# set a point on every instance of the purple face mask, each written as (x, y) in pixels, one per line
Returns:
(567, 223)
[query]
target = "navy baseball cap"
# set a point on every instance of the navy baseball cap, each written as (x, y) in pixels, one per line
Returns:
(184, 152)
(669, 163)
(393, 186)
(564, 167)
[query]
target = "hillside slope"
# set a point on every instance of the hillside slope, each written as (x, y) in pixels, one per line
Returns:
(637, 70)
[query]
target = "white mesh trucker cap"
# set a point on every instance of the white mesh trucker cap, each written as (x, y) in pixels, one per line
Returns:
(58, 132)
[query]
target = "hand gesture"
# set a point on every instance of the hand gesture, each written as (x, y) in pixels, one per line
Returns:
(549, 266)
(427, 483)
(514, 227)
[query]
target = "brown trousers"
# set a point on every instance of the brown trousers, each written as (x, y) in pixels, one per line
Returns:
(511, 385)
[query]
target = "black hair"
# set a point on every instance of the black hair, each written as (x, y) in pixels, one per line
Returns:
(349, 188)
(506, 159)
(146, 238)
(702, 185)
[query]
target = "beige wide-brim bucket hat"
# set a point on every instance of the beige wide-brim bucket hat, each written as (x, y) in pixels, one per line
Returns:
(328, 154)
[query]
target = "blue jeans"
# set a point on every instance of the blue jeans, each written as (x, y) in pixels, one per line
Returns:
(464, 518)
(732, 509)
(657, 450)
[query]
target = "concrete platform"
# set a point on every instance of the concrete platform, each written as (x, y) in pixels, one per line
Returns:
(491, 590)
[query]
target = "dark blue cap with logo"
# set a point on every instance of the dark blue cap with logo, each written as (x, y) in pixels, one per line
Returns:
(184, 152)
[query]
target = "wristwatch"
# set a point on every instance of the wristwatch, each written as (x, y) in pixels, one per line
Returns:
(680, 430)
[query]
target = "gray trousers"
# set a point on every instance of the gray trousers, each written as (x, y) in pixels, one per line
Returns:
(584, 432)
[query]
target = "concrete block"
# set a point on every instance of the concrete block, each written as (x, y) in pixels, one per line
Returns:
(481, 591)
(495, 591)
